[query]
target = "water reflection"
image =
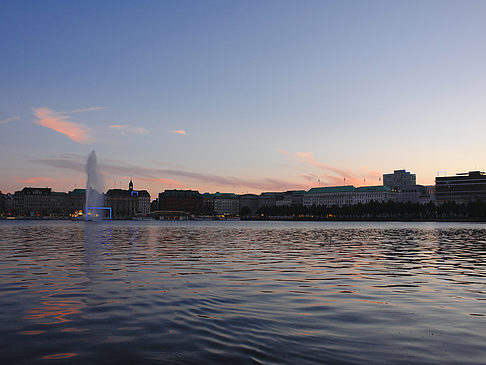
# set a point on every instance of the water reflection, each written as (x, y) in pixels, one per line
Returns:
(190, 293)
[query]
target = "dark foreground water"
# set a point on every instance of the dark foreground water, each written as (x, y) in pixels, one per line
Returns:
(236, 292)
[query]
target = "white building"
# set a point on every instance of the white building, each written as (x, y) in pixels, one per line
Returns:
(347, 195)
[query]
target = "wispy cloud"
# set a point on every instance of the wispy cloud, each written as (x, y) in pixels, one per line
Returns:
(308, 157)
(36, 180)
(8, 120)
(331, 175)
(127, 129)
(60, 122)
(77, 163)
(83, 110)
(179, 131)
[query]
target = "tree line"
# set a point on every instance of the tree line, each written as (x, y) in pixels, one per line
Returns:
(372, 211)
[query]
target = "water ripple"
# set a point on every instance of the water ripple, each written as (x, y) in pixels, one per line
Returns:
(267, 293)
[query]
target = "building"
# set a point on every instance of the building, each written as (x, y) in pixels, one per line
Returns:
(128, 203)
(76, 201)
(400, 179)
(34, 202)
(226, 204)
(290, 198)
(3, 200)
(269, 199)
(414, 194)
(461, 188)
(154, 205)
(58, 203)
(347, 195)
(9, 203)
(189, 201)
(329, 196)
(208, 204)
(405, 184)
(368, 194)
(250, 201)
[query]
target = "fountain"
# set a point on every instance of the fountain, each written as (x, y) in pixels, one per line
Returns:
(95, 199)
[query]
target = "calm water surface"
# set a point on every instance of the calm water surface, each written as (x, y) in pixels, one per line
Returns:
(242, 292)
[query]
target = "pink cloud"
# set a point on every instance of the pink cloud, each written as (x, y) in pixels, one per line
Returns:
(36, 180)
(331, 175)
(60, 123)
(283, 152)
(179, 131)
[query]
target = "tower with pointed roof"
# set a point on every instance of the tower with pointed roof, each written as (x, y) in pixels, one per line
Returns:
(130, 185)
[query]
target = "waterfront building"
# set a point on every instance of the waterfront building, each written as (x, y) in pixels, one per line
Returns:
(9, 203)
(208, 203)
(269, 199)
(128, 203)
(405, 184)
(413, 194)
(57, 203)
(290, 198)
(368, 194)
(226, 204)
(3, 208)
(34, 202)
(399, 179)
(329, 196)
(347, 195)
(121, 202)
(461, 188)
(76, 201)
(189, 201)
(143, 202)
(154, 205)
(250, 201)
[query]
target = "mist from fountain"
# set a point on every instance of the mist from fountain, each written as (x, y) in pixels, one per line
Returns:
(94, 186)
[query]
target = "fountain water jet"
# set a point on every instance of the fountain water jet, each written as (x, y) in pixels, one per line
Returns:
(94, 190)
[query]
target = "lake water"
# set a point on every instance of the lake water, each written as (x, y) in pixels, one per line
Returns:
(242, 292)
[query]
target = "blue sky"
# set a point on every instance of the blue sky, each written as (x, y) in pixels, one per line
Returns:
(265, 95)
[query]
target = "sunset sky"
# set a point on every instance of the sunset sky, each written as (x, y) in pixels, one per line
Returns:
(244, 96)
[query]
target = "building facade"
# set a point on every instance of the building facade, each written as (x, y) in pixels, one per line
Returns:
(226, 204)
(461, 188)
(250, 201)
(189, 201)
(399, 179)
(34, 202)
(128, 203)
(347, 195)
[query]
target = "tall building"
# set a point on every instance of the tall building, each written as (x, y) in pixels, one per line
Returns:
(399, 180)
(461, 188)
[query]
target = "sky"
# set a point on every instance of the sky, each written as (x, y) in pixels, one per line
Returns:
(240, 97)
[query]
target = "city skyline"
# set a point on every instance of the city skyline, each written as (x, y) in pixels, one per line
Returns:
(240, 97)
